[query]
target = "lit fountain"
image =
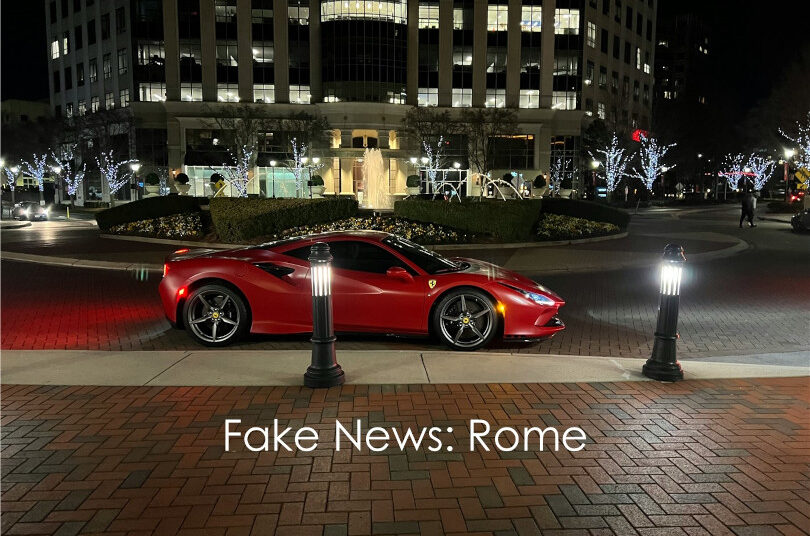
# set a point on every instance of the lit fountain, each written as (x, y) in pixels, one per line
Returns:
(376, 194)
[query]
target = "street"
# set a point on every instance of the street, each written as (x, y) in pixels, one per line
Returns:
(752, 302)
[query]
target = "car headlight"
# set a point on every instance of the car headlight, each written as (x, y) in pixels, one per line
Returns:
(533, 296)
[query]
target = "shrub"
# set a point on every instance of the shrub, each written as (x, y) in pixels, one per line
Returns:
(152, 179)
(148, 208)
(412, 181)
(240, 219)
(559, 227)
(215, 178)
(586, 210)
(316, 180)
(187, 225)
(421, 233)
(181, 178)
(539, 182)
(511, 220)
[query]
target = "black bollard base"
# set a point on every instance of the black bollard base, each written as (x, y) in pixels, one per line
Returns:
(663, 372)
(318, 378)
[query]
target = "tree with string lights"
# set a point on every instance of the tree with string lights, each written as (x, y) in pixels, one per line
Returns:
(238, 174)
(116, 173)
(651, 156)
(734, 169)
(65, 159)
(37, 168)
(11, 179)
(802, 140)
(614, 163)
(761, 169)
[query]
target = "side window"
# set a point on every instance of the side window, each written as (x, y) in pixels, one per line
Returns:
(353, 255)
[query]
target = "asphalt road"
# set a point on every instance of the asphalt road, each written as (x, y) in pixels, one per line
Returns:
(755, 302)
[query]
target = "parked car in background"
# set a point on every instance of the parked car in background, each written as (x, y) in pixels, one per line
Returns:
(29, 210)
(801, 221)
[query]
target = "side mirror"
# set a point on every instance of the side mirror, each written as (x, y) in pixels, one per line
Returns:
(398, 272)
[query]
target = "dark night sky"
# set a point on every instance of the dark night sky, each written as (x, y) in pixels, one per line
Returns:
(753, 40)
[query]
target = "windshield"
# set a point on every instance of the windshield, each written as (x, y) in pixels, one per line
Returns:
(427, 260)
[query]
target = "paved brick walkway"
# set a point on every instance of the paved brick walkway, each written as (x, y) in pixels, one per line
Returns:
(724, 457)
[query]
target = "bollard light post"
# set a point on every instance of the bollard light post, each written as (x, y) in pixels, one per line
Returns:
(663, 364)
(324, 370)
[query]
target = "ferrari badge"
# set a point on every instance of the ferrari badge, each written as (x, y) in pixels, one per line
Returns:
(432, 283)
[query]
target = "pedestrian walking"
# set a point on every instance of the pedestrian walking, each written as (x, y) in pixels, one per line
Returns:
(749, 206)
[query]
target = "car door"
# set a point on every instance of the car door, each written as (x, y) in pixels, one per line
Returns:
(365, 298)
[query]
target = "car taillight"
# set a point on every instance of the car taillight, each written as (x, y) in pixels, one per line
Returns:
(165, 269)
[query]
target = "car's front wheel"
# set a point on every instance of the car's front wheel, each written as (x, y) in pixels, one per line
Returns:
(465, 319)
(215, 315)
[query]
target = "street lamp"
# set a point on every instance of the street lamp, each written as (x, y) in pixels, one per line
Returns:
(663, 364)
(788, 155)
(324, 370)
(425, 160)
(664, 169)
(273, 166)
(135, 166)
(594, 165)
(413, 160)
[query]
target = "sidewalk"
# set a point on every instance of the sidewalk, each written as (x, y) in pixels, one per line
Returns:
(286, 367)
(698, 458)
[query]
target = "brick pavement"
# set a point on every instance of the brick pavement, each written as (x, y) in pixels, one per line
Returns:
(723, 457)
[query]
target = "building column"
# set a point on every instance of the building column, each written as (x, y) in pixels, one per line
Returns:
(446, 53)
(542, 149)
(176, 147)
(172, 50)
(479, 86)
(244, 45)
(281, 51)
(412, 84)
(547, 54)
(315, 70)
(208, 48)
(513, 54)
(346, 175)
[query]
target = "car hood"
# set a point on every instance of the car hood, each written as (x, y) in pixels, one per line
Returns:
(499, 274)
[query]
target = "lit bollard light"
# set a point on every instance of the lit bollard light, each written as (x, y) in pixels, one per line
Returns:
(663, 364)
(324, 370)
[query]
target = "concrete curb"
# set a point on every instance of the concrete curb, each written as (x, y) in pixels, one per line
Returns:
(78, 263)
(16, 225)
(446, 247)
(777, 220)
(260, 367)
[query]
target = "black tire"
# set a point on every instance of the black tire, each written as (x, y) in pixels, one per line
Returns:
(211, 309)
(465, 319)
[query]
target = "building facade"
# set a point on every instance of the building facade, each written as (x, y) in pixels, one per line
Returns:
(361, 65)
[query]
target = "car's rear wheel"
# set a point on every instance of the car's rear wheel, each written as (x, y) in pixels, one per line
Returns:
(465, 319)
(215, 315)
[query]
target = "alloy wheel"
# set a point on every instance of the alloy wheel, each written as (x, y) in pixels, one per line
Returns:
(213, 316)
(466, 320)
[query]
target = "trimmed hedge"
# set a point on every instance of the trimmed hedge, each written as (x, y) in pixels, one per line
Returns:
(148, 208)
(587, 210)
(510, 220)
(239, 219)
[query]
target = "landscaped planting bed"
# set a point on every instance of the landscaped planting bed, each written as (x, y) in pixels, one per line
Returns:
(421, 233)
(559, 227)
(177, 226)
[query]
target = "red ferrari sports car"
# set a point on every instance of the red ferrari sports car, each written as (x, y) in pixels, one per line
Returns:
(381, 283)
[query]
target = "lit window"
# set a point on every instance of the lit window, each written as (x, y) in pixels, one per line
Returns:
(428, 15)
(265, 93)
(564, 100)
(109, 100)
(462, 18)
(151, 54)
(82, 108)
(497, 18)
(391, 10)
(69, 110)
(191, 91)
(107, 66)
(531, 19)
(93, 67)
(300, 94)
(54, 49)
(66, 43)
(638, 58)
(529, 98)
(566, 21)
(462, 97)
(591, 38)
(124, 98)
(152, 92)
(496, 98)
(428, 96)
(228, 92)
(122, 61)
(94, 104)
